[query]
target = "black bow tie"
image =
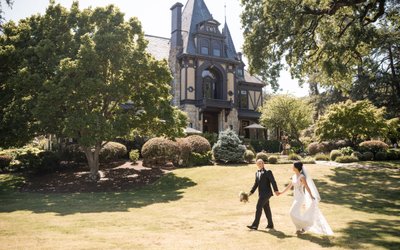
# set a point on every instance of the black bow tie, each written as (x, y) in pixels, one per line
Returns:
(259, 171)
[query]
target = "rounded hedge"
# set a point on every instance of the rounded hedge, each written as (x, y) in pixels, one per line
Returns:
(273, 159)
(159, 151)
(358, 155)
(199, 144)
(346, 159)
(314, 148)
(334, 154)
(294, 157)
(322, 157)
(373, 146)
(248, 156)
(368, 156)
(113, 151)
(5, 161)
(380, 156)
(263, 156)
(185, 149)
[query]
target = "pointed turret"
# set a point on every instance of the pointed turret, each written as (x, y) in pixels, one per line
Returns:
(230, 46)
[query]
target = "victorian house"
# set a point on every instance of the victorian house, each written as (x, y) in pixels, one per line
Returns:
(210, 83)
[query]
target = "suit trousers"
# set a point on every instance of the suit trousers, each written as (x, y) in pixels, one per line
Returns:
(263, 203)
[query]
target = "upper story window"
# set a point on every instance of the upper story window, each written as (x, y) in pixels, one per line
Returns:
(204, 47)
(243, 99)
(216, 46)
(239, 72)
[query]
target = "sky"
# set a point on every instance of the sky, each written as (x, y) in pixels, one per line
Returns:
(155, 16)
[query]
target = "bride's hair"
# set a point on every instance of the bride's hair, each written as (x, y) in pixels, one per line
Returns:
(299, 166)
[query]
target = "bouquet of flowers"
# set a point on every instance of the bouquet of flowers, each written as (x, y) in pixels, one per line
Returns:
(243, 196)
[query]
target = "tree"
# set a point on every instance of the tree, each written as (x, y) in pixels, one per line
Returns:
(354, 121)
(288, 113)
(9, 3)
(228, 148)
(326, 39)
(95, 83)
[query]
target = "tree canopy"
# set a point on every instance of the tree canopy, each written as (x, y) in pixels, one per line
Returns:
(85, 75)
(288, 113)
(354, 121)
(327, 40)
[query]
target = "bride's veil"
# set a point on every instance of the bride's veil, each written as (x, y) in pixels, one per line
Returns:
(312, 187)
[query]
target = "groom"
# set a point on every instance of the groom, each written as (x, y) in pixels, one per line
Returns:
(264, 180)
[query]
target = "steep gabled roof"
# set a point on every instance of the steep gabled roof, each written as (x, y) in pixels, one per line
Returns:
(230, 46)
(158, 46)
(195, 12)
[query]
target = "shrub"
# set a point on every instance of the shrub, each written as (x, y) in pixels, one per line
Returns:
(273, 159)
(308, 160)
(322, 157)
(346, 151)
(185, 150)
(199, 144)
(5, 161)
(228, 148)
(346, 159)
(134, 155)
(42, 162)
(272, 146)
(314, 148)
(197, 159)
(393, 155)
(212, 138)
(248, 156)
(158, 151)
(373, 146)
(358, 155)
(73, 152)
(334, 154)
(263, 156)
(113, 151)
(294, 157)
(380, 156)
(368, 156)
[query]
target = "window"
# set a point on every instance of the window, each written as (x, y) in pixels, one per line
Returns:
(216, 52)
(243, 99)
(240, 72)
(216, 48)
(204, 47)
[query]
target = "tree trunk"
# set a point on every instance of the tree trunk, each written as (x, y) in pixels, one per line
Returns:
(92, 156)
(395, 81)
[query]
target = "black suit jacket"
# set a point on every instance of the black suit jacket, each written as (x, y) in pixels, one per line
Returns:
(264, 184)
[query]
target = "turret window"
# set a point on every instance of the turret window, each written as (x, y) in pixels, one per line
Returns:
(204, 47)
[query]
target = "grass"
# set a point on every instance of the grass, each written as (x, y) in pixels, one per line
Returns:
(198, 208)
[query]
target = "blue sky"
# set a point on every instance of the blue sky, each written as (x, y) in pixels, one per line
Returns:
(156, 20)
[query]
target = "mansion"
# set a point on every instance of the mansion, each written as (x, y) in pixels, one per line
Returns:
(209, 80)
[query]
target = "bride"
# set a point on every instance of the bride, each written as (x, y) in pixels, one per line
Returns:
(304, 212)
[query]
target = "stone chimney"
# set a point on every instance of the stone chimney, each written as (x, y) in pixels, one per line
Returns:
(176, 27)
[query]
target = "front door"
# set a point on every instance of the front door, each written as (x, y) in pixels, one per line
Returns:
(210, 122)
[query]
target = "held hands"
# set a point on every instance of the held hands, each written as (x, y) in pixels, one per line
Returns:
(277, 193)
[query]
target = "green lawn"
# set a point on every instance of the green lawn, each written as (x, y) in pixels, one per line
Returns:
(198, 208)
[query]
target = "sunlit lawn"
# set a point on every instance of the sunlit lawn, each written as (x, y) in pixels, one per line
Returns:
(198, 208)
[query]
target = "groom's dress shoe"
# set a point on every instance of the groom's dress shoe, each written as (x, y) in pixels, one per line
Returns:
(269, 227)
(252, 227)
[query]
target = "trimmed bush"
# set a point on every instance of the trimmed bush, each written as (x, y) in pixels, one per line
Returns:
(346, 151)
(197, 159)
(73, 152)
(134, 155)
(272, 146)
(393, 155)
(368, 156)
(199, 144)
(43, 162)
(314, 148)
(346, 159)
(294, 157)
(322, 157)
(212, 138)
(158, 151)
(358, 155)
(185, 149)
(113, 151)
(273, 159)
(263, 156)
(229, 148)
(5, 161)
(380, 156)
(248, 156)
(334, 154)
(373, 146)
(308, 160)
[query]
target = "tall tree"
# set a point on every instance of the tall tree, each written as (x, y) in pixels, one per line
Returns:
(9, 3)
(87, 75)
(327, 39)
(289, 113)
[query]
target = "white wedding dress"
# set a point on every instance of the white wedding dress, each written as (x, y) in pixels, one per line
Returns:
(304, 212)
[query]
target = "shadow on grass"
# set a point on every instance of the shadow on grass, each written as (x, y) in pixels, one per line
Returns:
(363, 189)
(166, 189)
(323, 241)
(383, 233)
